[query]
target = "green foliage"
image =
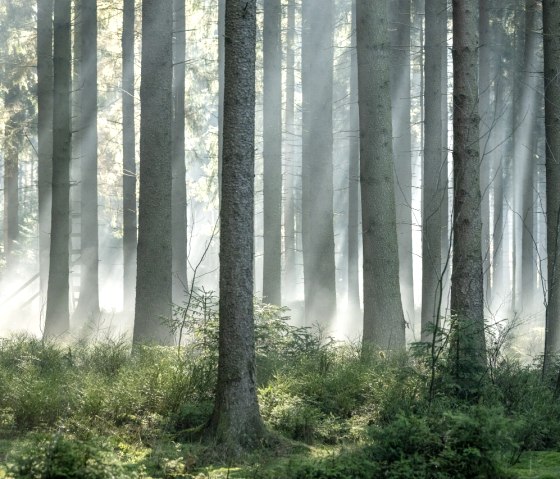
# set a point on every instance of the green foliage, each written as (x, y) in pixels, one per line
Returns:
(57, 457)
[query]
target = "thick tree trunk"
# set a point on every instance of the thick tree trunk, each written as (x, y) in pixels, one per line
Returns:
(317, 162)
(153, 279)
(484, 88)
(402, 146)
(551, 36)
(435, 158)
(57, 316)
(236, 421)
(179, 185)
(44, 133)
(88, 303)
(383, 315)
(468, 350)
(272, 152)
(129, 159)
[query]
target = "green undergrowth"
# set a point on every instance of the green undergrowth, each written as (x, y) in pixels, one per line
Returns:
(104, 410)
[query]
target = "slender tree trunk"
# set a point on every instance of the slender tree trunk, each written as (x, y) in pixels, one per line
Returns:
(354, 305)
(402, 145)
(179, 185)
(44, 133)
(272, 151)
(57, 316)
(290, 159)
(434, 187)
(236, 421)
(153, 279)
(383, 315)
(12, 144)
(317, 162)
(526, 147)
(129, 159)
(551, 37)
(468, 350)
(88, 304)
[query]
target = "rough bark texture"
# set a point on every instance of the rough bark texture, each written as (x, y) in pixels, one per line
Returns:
(272, 151)
(484, 88)
(383, 315)
(317, 164)
(236, 421)
(354, 305)
(153, 279)
(290, 159)
(467, 352)
(44, 133)
(179, 185)
(399, 22)
(88, 303)
(551, 37)
(57, 316)
(129, 159)
(434, 185)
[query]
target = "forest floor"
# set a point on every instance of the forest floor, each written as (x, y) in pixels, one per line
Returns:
(99, 410)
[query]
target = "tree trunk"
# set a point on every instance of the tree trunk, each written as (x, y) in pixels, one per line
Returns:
(45, 134)
(88, 303)
(57, 319)
(551, 37)
(354, 305)
(12, 145)
(179, 185)
(129, 159)
(484, 88)
(290, 159)
(402, 146)
(153, 279)
(272, 151)
(526, 145)
(317, 162)
(383, 315)
(434, 184)
(468, 351)
(236, 421)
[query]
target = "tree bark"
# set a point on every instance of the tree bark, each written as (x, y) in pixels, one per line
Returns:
(179, 186)
(57, 319)
(383, 314)
(88, 303)
(45, 134)
(551, 39)
(354, 305)
(236, 421)
(12, 145)
(467, 348)
(290, 171)
(435, 161)
(272, 151)
(317, 162)
(402, 145)
(153, 279)
(129, 159)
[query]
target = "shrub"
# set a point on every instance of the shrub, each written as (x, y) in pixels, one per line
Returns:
(57, 456)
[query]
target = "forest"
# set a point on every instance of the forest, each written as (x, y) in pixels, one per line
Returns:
(300, 239)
